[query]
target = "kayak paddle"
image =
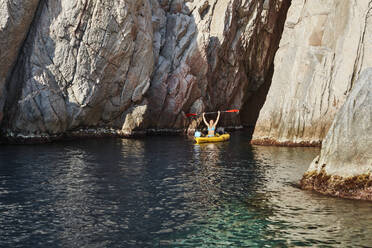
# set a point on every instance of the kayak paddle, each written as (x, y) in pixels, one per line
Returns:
(226, 111)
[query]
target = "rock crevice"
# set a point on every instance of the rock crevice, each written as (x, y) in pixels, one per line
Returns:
(15, 19)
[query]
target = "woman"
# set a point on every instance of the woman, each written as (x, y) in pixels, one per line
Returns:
(212, 125)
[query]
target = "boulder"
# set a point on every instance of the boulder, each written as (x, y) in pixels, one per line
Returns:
(344, 166)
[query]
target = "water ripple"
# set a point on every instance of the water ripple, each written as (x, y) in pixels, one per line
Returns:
(168, 192)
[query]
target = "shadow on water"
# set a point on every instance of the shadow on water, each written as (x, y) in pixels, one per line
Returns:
(168, 192)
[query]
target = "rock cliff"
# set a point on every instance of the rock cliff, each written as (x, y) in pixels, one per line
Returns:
(15, 19)
(344, 165)
(83, 64)
(325, 45)
(214, 55)
(134, 65)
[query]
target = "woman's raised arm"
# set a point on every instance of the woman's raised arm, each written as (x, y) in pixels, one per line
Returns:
(205, 121)
(218, 118)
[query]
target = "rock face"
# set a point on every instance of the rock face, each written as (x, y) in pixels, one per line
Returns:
(213, 55)
(134, 65)
(84, 63)
(15, 19)
(325, 45)
(344, 166)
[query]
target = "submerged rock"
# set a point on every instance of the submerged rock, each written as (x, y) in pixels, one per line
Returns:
(344, 166)
(325, 45)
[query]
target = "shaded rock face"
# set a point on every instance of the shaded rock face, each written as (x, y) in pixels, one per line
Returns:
(134, 65)
(325, 45)
(213, 55)
(15, 19)
(344, 166)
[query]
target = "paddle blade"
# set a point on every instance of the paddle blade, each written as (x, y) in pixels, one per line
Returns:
(232, 111)
(191, 114)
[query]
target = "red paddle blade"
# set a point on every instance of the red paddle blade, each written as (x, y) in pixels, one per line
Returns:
(232, 110)
(190, 114)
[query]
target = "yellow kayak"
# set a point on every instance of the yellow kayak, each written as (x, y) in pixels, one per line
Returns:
(218, 138)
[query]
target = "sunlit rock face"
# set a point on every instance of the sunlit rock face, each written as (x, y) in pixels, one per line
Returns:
(15, 19)
(133, 65)
(324, 47)
(344, 166)
(83, 64)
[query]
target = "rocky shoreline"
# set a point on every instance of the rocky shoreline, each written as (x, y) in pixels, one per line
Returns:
(12, 138)
(274, 142)
(356, 187)
(17, 138)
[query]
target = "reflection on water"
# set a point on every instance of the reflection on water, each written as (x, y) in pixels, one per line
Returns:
(166, 191)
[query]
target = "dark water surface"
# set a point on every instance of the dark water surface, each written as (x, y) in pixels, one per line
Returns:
(168, 192)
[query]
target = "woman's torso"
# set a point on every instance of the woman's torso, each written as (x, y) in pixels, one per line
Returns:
(211, 130)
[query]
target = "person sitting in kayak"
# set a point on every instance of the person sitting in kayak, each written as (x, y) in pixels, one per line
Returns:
(211, 125)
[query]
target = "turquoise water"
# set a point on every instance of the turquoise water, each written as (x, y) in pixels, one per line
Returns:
(168, 192)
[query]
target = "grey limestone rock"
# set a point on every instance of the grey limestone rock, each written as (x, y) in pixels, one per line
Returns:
(325, 45)
(15, 19)
(90, 63)
(216, 52)
(344, 166)
(84, 64)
